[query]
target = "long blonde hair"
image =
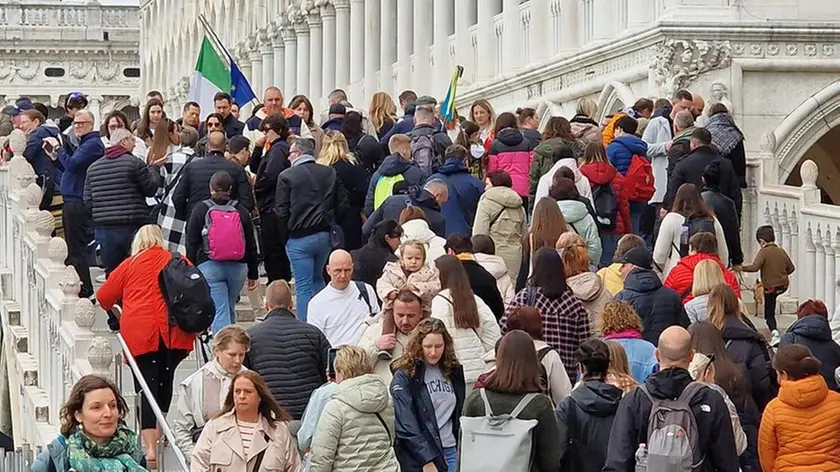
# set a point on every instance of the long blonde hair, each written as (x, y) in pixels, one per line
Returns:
(147, 237)
(587, 107)
(334, 148)
(707, 275)
(722, 303)
(618, 373)
(382, 106)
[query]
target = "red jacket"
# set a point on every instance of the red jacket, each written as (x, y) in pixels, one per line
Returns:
(145, 319)
(681, 277)
(600, 173)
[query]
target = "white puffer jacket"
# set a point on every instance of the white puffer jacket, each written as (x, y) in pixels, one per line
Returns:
(470, 344)
(497, 268)
(418, 230)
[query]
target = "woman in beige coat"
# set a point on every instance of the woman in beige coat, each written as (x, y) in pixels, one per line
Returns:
(585, 284)
(500, 215)
(356, 429)
(251, 432)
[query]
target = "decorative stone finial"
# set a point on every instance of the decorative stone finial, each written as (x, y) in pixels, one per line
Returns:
(678, 62)
(101, 356)
(809, 173)
(70, 283)
(44, 224)
(57, 251)
(84, 313)
(17, 142)
(768, 142)
(31, 196)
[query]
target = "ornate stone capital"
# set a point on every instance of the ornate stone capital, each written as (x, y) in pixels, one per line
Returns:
(327, 10)
(31, 197)
(100, 356)
(70, 283)
(57, 252)
(678, 63)
(341, 4)
(84, 313)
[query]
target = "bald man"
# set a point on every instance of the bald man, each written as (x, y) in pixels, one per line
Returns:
(716, 441)
(290, 354)
(341, 308)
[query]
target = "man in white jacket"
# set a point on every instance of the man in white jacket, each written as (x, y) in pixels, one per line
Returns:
(659, 135)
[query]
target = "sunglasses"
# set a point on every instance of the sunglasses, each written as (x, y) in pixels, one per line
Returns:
(214, 125)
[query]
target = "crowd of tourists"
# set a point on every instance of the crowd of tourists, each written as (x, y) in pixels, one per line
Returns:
(462, 295)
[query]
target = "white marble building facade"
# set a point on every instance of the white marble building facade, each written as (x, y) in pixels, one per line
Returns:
(49, 48)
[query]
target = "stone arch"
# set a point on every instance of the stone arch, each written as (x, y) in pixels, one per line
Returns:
(805, 126)
(613, 93)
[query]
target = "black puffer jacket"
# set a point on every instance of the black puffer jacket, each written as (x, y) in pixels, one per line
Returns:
(630, 428)
(267, 168)
(291, 355)
(116, 188)
(309, 196)
(370, 259)
(689, 170)
(395, 204)
(586, 419)
(484, 286)
(814, 332)
(658, 306)
(727, 215)
(194, 186)
(749, 349)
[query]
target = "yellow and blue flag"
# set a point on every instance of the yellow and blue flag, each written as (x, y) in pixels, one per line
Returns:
(447, 107)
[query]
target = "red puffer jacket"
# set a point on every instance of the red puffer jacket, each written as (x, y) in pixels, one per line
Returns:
(681, 277)
(600, 173)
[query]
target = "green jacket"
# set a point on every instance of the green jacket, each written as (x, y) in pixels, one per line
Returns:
(544, 158)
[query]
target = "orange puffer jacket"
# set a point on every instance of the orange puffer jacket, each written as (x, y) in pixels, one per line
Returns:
(800, 429)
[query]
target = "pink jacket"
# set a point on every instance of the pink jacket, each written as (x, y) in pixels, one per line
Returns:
(512, 153)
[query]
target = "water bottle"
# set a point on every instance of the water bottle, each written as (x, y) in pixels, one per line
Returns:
(641, 458)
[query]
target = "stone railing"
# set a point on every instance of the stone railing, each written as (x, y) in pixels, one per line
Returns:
(48, 340)
(70, 22)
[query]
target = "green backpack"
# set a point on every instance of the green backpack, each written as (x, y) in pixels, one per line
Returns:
(385, 188)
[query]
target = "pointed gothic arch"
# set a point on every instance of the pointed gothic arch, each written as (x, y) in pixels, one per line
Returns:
(614, 93)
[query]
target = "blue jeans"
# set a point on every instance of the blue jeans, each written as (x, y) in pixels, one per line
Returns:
(114, 248)
(308, 256)
(225, 279)
(450, 455)
(637, 209)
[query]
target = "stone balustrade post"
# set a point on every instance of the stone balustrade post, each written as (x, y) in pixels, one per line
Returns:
(809, 172)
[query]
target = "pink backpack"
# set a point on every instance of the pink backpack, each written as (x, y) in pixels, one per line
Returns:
(224, 237)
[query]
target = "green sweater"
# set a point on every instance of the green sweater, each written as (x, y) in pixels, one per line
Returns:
(546, 457)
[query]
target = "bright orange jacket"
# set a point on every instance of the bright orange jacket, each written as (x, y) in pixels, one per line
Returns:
(608, 134)
(800, 429)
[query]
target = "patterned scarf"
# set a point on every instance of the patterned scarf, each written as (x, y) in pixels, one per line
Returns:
(117, 455)
(725, 134)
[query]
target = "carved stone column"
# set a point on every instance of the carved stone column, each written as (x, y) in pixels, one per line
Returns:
(373, 41)
(342, 42)
(405, 43)
(316, 48)
(267, 53)
(329, 59)
(279, 57)
(304, 53)
(290, 60)
(357, 40)
(255, 58)
(388, 42)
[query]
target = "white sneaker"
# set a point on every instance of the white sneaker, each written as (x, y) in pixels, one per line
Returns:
(100, 279)
(775, 338)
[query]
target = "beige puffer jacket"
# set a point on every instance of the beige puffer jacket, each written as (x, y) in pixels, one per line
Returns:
(500, 215)
(590, 290)
(350, 437)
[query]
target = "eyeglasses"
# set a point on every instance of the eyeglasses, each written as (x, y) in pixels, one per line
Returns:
(80, 123)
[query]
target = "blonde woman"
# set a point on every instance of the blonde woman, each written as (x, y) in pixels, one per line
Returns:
(707, 275)
(335, 153)
(157, 347)
(618, 373)
(483, 114)
(584, 126)
(382, 113)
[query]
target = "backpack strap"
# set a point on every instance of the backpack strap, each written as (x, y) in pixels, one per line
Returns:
(384, 425)
(363, 294)
(487, 410)
(526, 400)
(530, 295)
(542, 353)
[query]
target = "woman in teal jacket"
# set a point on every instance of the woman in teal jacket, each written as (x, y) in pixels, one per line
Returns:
(576, 214)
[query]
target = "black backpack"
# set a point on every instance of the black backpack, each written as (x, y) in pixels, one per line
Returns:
(689, 228)
(187, 295)
(606, 206)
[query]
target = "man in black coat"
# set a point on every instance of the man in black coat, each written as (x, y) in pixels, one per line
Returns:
(194, 184)
(725, 211)
(223, 103)
(482, 282)
(689, 170)
(291, 355)
(659, 307)
(715, 441)
(428, 198)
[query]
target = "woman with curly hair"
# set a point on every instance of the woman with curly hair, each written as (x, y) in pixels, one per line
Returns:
(620, 323)
(428, 391)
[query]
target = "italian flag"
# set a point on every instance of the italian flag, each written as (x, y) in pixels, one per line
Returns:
(211, 76)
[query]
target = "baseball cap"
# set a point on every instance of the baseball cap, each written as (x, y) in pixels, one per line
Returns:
(338, 109)
(21, 104)
(638, 256)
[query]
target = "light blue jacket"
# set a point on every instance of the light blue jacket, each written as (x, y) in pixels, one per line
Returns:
(640, 355)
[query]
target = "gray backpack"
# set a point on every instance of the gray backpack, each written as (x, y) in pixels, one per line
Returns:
(673, 440)
(492, 442)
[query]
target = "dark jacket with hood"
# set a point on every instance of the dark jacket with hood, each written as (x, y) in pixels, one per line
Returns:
(267, 168)
(47, 171)
(600, 173)
(749, 349)
(440, 138)
(395, 204)
(333, 124)
(689, 170)
(391, 166)
(532, 135)
(659, 307)
(622, 149)
(586, 419)
(354, 178)
(417, 439)
(76, 163)
(484, 286)
(464, 193)
(630, 428)
(814, 332)
(370, 259)
(727, 214)
(116, 188)
(309, 196)
(512, 153)
(367, 151)
(194, 185)
(291, 355)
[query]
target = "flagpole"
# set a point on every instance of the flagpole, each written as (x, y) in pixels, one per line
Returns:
(218, 44)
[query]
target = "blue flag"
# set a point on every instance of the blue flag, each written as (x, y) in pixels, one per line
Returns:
(240, 89)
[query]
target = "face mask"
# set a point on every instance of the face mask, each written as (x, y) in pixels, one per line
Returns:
(477, 151)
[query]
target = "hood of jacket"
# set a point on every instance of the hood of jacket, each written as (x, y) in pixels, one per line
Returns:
(394, 165)
(633, 144)
(333, 124)
(573, 210)
(452, 166)
(424, 130)
(419, 230)
(691, 261)
(734, 328)
(597, 398)
(642, 280)
(50, 130)
(571, 163)
(668, 383)
(113, 152)
(366, 393)
(586, 286)
(504, 196)
(583, 119)
(493, 264)
(814, 327)
(599, 173)
(510, 137)
(804, 393)
(422, 198)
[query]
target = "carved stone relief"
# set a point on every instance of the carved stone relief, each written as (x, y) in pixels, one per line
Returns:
(677, 63)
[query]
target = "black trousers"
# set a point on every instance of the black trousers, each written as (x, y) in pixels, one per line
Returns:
(770, 296)
(78, 232)
(158, 368)
(273, 245)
